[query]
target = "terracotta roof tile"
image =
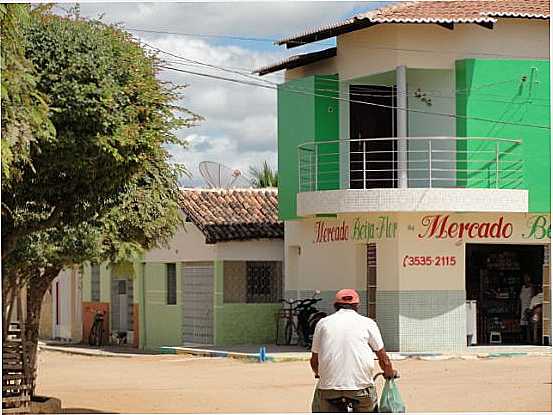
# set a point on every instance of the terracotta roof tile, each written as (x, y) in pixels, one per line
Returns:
(449, 11)
(233, 214)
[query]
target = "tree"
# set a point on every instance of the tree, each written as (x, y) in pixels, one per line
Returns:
(102, 187)
(264, 176)
(24, 109)
(111, 115)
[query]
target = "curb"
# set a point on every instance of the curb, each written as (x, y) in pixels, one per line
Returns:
(300, 357)
(84, 352)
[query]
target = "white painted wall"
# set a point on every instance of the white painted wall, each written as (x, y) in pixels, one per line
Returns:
(68, 303)
(377, 49)
(188, 244)
(337, 264)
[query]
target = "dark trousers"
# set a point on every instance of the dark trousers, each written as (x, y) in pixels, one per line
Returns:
(363, 400)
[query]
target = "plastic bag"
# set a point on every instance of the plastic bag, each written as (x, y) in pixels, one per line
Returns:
(316, 403)
(390, 400)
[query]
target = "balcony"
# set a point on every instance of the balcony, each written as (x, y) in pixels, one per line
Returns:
(466, 174)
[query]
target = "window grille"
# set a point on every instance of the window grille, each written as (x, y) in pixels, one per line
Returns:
(95, 283)
(264, 282)
(371, 281)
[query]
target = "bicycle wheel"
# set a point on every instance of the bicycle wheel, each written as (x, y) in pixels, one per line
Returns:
(91, 339)
(288, 332)
(99, 334)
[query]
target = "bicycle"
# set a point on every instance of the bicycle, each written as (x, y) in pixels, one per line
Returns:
(287, 316)
(300, 317)
(347, 404)
(97, 330)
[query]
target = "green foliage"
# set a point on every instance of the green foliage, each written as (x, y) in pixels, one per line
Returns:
(264, 176)
(112, 118)
(24, 109)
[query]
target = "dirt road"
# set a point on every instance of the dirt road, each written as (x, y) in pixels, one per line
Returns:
(161, 384)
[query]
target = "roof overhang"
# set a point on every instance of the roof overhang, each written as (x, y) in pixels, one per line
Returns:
(297, 61)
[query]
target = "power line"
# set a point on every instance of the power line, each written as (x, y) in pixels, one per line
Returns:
(206, 35)
(354, 42)
(364, 94)
(355, 101)
(472, 89)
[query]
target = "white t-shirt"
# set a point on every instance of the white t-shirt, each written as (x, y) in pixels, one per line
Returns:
(345, 342)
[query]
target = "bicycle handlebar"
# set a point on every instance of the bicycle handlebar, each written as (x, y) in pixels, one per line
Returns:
(396, 375)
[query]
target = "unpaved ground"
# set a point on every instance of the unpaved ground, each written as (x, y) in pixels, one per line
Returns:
(161, 384)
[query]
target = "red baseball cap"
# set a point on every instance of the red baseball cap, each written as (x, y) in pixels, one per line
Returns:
(347, 296)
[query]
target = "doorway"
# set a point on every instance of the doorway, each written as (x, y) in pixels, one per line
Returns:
(122, 306)
(373, 163)
(197, 302)
(494, 277)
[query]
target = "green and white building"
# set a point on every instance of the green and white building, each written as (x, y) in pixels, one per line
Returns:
(218, 283)
(415, 165)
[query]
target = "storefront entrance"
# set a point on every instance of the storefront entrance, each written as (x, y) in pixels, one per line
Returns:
(495, 277)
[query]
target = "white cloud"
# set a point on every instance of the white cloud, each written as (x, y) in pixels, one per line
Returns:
(240, 123)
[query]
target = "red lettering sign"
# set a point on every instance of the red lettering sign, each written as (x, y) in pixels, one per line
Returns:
(326, 233)
(440, 226)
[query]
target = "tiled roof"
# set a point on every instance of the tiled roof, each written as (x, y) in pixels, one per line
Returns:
(441, 12)
(233, 214)
(296, 61)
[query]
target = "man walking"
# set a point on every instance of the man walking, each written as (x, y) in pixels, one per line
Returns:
(342, 356)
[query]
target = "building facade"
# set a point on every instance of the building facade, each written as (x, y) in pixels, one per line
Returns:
(218, 282)
(414, 165)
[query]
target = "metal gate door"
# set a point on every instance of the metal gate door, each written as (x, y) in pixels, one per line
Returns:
(121, 304)
(197, 302)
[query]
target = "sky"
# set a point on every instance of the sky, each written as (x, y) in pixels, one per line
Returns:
(240, 121)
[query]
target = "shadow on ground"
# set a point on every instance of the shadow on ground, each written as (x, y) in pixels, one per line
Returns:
(84, 411)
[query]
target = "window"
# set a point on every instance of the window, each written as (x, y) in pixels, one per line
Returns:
(252, 281)
(263, 281)
(171, 284)
(95, 283)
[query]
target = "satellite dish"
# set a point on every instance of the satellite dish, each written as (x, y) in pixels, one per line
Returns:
(218, 176)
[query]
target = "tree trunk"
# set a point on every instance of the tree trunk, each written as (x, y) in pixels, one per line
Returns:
(38, 285)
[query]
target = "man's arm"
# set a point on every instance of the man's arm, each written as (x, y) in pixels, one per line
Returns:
(385, 364)
(315, 363)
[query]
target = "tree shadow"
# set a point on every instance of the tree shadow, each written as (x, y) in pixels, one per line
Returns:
(84, 411)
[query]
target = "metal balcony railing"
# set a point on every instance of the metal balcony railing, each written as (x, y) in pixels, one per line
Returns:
(439, 162)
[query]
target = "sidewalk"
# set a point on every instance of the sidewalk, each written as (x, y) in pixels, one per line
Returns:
(295, 353)
(86, 350)
(274, 353)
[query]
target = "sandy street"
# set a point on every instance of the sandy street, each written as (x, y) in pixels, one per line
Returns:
(161, 384)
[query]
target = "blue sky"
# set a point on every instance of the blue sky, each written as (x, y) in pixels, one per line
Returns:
(240, 125)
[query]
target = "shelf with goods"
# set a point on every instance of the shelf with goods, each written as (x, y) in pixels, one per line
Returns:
(500, 283)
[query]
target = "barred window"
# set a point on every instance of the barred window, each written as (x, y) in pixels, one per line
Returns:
(264, 282)
(252, 281)
(171, 284)
(95, 283)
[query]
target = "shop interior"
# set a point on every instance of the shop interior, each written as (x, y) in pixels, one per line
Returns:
(495, 277)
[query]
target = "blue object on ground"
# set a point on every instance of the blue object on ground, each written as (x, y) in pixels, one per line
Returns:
(390, 400)
(263, 354)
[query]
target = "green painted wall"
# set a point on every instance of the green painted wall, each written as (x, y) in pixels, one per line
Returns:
(304, 117)
(86, 283)
(105, 283)
(237, 323)
(327, 128)
(162, 323)
(495, 89)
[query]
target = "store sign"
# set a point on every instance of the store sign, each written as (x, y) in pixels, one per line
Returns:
(442, 227)
(539, 227)
(360, 229)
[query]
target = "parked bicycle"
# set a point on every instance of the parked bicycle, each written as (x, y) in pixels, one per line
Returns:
(300, 317)
(96, 334)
